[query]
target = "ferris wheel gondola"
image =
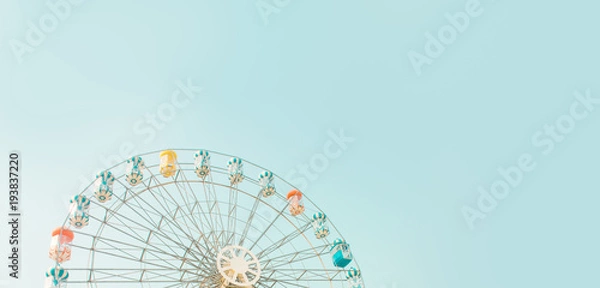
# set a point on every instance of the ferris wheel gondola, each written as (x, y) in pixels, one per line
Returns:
(161, 220)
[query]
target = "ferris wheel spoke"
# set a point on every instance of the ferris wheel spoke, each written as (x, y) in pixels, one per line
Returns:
(209, 221)
(142, 240)
(190, 205)
(133, 196)
(282, 282)
(282, 242)
(294, 257)
(123, 247)
(201, 247)
(253, 262)
(187, 215)
(130, 221)
(132, 259)
(212, 204)
(137, 275)
(185, 194)
(160, 275)
(213, 193)
(167, 211)
(311, 275)
(175, 285)
(250, 218)
(144, 256)
(167, 225)
(232, 212)
(131, 233)
(213, 244)
(170, 282)
(181, 284)
(99, 275)
(264, 285)
(130, 247)
(109, 215)
(159, 235)
(171, 219)
(179, 207)
(245, 278)
(264, 232)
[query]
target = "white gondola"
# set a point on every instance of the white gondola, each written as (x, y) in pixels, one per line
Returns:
(202, 163)
(134, 170)
(319, 222)
(55, 276)
(103, 186)
(265, 180)
(235, 169)
(354, 278)
(79, 219)
(79, 211)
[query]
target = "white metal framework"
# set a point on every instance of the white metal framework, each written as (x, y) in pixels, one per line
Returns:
(201, 227)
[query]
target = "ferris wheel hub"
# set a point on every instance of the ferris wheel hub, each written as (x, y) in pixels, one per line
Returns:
(238, 266)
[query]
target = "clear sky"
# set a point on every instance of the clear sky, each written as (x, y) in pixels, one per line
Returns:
(435, 98)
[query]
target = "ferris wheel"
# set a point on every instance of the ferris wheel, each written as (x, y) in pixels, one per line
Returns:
(196, 218)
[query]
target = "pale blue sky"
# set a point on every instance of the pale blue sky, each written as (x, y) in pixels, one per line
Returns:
(423, 144)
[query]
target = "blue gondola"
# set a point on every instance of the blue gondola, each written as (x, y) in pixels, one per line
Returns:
(340, 253)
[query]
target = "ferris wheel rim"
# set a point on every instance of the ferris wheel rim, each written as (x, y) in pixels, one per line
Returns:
(256, 197)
